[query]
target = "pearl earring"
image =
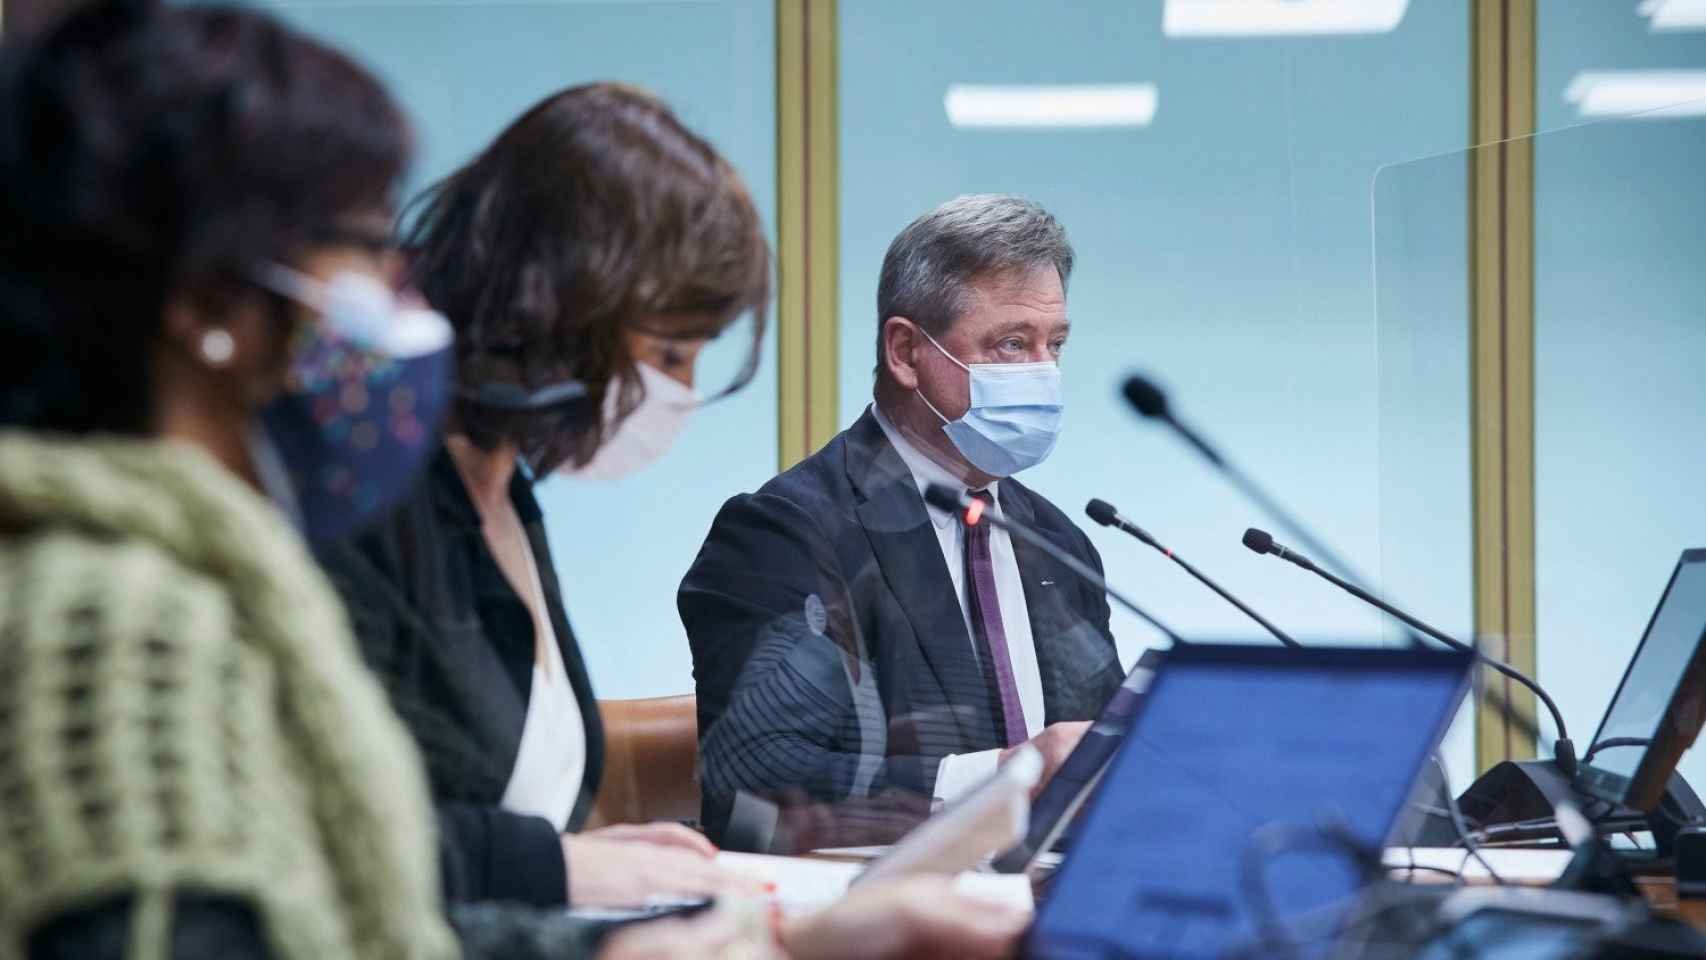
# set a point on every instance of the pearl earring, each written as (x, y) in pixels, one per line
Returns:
(217, 347)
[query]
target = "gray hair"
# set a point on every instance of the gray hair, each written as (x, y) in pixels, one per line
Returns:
(933, 261)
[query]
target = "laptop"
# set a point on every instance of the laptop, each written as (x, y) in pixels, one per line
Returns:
(1235, 748)
(1053, 811)
(1660, 703)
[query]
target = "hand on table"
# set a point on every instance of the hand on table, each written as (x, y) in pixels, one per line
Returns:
(661, 833)
(609, 871)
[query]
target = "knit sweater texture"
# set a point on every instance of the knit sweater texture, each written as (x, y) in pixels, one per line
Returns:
(182, 709)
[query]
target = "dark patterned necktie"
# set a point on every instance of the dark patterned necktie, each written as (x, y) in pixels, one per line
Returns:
(987, 631)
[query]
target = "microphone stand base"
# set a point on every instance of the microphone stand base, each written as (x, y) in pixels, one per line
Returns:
(1518, 795)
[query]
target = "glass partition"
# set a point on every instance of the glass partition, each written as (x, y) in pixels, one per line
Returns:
(1619, 311)
(1208, 170)
(1620, 334)
(1212, 168)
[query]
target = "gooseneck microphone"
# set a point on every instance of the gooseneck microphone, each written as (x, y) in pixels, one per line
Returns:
(1104, 513)
(1564, 749)
(955, 501)
(1263, 542)
(1150, 400)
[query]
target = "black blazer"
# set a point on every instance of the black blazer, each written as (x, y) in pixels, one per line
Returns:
(454, 646)
(833, 568)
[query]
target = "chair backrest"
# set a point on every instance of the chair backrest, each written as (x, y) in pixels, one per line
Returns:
(651, 761)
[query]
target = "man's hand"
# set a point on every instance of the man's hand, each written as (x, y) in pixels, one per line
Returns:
(911, 917)
(606, 872)
(1056, 742)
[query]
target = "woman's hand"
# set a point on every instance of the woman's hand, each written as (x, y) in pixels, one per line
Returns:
(912, 917)
(609, 872)
(661, 833)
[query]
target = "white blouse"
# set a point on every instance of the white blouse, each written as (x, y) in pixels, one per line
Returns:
(551, 762)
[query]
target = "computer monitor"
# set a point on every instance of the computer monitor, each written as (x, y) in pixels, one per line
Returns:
(1232, 747)
(1053, 810)
(1658, 708)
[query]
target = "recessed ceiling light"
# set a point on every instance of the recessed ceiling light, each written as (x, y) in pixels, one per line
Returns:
(1047, 106)
(1654, 94)
(1665, 15)
(1266, 18)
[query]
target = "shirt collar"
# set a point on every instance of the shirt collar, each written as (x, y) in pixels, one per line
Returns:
(924, 470)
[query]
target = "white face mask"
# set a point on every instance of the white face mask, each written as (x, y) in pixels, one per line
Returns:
(647, 432)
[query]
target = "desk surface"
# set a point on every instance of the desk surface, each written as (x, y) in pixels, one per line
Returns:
(1524, 866)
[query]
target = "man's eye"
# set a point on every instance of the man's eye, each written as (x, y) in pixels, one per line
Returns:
(1012, 343)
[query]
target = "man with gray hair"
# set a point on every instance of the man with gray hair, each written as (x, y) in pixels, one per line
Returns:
(835, 587)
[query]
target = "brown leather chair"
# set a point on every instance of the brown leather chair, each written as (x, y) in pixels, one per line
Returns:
(651, 761)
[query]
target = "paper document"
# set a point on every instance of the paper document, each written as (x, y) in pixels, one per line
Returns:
(804, 885)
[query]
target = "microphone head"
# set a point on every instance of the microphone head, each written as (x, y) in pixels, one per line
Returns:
(1149, 399)
(1102, 512)
(944, 498)
(1260, 541)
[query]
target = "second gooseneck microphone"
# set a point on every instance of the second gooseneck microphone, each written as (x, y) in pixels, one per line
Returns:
(1105, 514)
(1564, 749)
(957, 502)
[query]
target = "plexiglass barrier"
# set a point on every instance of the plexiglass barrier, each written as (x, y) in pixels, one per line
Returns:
(1619, 398)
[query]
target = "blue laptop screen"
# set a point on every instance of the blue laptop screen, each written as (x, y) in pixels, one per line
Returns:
(1235, 747)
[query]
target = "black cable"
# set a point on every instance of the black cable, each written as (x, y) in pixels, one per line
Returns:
(1339, 918)
(1609, 742)
(1491, 833)
(1461, 827)
(1564, 749)
(1413, 868)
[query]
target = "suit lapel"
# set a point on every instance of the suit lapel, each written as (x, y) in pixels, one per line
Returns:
(1072, 654)
(909, 554)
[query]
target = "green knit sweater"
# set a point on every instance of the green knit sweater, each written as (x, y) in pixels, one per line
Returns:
(182, 709)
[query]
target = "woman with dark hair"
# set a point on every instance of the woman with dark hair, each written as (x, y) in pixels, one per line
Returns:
(200, 343)
(585, 258)
(192, 758)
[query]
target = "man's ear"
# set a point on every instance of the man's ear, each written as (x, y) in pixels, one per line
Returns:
(901, 338)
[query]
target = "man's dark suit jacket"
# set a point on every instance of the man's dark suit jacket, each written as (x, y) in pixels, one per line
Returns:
(833, 568)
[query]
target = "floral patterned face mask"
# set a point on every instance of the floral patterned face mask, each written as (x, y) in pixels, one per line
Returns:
(366, 391)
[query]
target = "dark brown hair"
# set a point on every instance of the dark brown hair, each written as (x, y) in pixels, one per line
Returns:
(151, 150)
(593, 212)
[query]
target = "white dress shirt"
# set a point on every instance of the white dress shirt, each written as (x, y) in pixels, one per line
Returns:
(959, 772)
(551, 760)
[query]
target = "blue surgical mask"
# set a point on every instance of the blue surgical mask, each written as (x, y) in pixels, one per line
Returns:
(1014, 417)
